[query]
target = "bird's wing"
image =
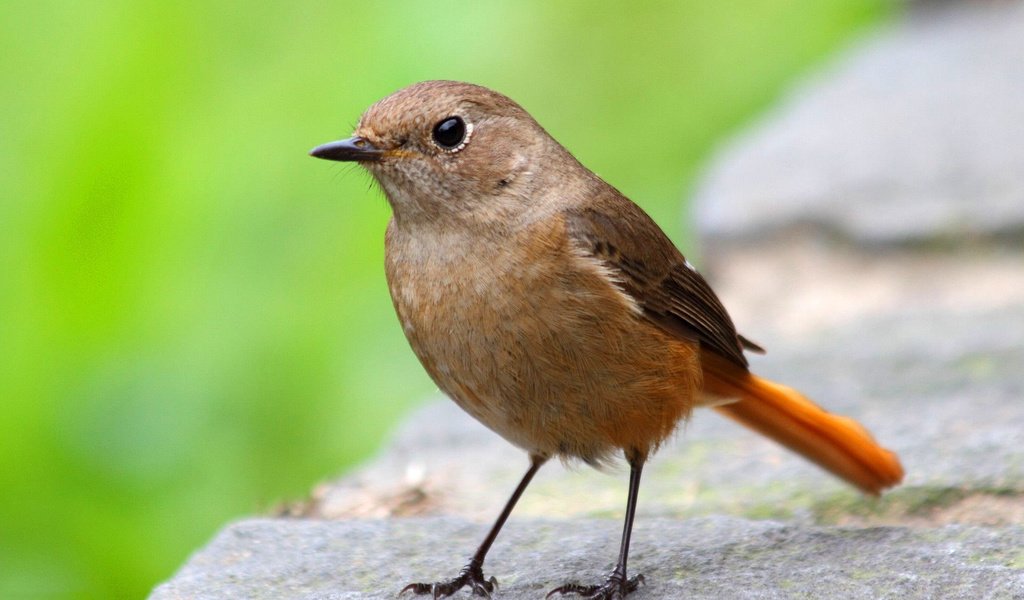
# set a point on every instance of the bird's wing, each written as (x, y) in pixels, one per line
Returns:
(671, 293)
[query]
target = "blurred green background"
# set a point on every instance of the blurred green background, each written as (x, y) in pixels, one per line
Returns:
(193, 316)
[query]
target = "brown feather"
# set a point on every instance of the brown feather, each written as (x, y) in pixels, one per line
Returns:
(672, 294)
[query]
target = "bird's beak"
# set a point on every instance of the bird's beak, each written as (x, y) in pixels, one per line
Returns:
(353, 149)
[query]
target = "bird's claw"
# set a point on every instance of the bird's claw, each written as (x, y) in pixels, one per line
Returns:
(472, 575)
(615, 587)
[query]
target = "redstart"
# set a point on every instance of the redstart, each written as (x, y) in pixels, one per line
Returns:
(552, 308)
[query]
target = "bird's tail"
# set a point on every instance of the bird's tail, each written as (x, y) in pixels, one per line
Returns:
(838, 444)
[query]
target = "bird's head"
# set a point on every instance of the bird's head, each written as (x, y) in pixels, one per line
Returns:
(444, 148)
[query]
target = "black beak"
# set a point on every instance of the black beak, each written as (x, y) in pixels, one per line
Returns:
(353, 149)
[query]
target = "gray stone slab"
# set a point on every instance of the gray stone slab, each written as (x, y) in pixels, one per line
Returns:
(713, 558)
(914, 134)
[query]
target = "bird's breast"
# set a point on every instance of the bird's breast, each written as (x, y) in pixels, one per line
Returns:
(534, 340)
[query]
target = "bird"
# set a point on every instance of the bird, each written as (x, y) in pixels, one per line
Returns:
(556, 312)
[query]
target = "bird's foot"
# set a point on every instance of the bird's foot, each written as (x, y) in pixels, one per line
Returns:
(472, 575)
(616, 586)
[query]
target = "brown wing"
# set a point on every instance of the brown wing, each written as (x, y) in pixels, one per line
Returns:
(670, 291)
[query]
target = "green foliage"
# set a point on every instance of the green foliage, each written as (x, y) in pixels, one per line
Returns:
(193, 318)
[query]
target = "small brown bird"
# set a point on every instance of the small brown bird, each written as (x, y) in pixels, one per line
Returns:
(554, 310)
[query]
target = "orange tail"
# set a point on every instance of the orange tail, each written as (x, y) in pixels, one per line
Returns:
(838, 444)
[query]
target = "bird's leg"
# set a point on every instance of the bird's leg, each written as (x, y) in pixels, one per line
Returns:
(617, 585)
(472, 574)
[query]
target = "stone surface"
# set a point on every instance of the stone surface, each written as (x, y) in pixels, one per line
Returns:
(714, 558)
(869, 234)
(913, 135)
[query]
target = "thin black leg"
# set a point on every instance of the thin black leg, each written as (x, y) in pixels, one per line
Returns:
(618, 585)
(472, 574)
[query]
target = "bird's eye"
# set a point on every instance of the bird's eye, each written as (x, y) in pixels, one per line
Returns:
(450, 133)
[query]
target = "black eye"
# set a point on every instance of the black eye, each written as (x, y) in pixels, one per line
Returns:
(450, 132)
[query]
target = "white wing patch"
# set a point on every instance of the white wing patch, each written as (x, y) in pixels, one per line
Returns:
(602, 270)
